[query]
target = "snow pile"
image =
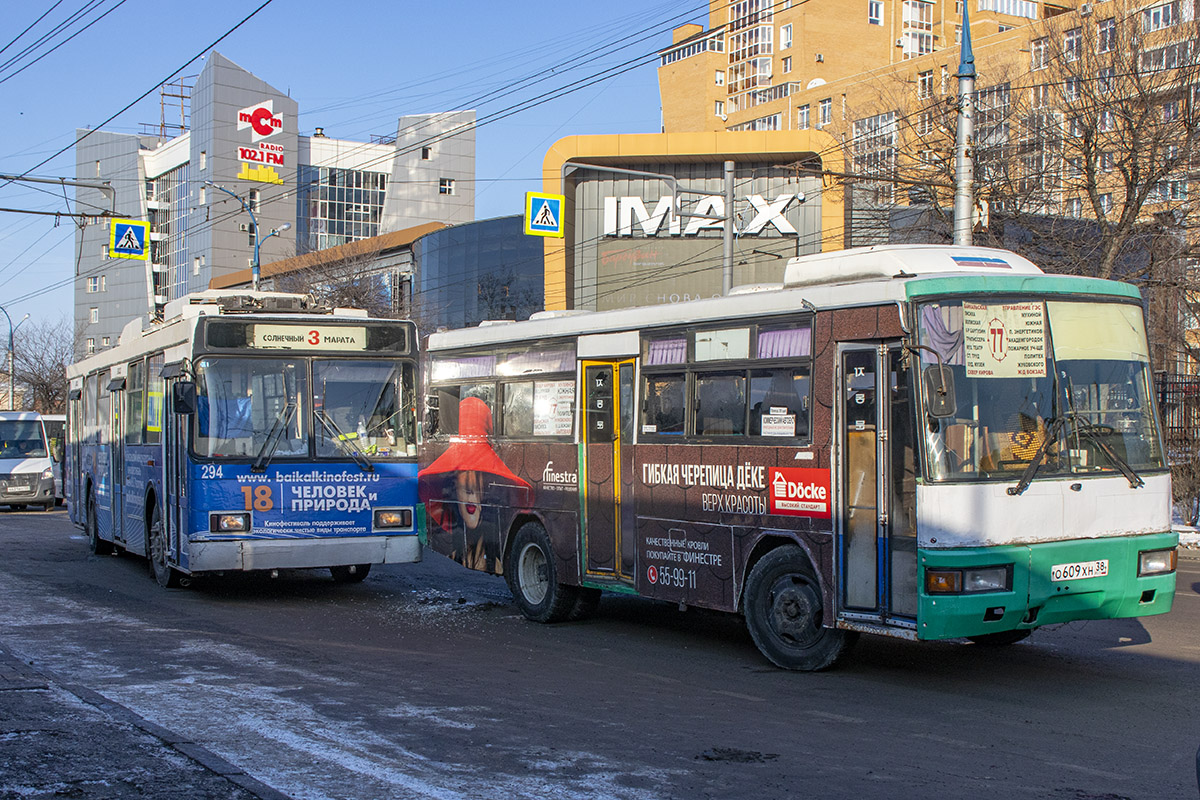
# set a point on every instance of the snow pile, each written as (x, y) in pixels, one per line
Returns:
(1189, 538)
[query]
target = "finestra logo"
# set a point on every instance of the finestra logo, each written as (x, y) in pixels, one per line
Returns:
(560, 478)
(799, 492)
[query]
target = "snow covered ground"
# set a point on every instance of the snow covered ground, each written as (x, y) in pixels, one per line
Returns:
(1189, 538)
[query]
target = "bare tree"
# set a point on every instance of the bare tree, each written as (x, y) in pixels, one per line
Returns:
(354, 281)
(44, 350)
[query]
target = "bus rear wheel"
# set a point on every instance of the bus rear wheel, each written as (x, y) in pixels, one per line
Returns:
(533, 577)
(350, 573)
(784, 613)
(97, 545)
(156, 549)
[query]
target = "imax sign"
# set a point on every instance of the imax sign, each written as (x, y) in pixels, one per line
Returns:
(622, 214)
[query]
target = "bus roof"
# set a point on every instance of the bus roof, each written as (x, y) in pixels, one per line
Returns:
(841, 279)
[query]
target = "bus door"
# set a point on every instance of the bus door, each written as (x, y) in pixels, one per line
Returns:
(609, 524)
(174, 481)
(116, 463)
(877, 489)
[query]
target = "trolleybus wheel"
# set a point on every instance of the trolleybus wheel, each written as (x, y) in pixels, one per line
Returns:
(156, 549)
(784, 614)
(533, 577)
(350, 573)
(1000, 638)
(585, 604)
(97, 545)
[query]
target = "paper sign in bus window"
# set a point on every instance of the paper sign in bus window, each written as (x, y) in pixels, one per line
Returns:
(1005, 340)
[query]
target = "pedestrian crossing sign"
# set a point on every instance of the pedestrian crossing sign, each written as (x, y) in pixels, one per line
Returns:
(129, 239)
(544, 214)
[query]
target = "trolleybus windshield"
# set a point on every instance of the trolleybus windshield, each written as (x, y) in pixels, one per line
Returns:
(1027, 370)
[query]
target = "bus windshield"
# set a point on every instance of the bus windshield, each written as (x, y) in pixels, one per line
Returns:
(367, 405)
(1066, 384)
(21, 438)
(245, 406)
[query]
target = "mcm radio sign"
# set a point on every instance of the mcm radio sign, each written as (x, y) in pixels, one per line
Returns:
(260, 157)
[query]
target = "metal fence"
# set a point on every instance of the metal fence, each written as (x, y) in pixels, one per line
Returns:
(1179, 405)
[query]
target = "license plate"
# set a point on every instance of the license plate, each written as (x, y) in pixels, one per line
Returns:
(1079, 570)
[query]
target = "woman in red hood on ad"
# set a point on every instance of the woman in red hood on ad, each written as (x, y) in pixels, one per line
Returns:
(462, 488)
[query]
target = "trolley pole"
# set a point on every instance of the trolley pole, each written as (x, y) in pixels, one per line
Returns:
(964, 168)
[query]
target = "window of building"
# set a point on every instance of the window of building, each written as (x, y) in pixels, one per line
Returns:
(1041, 95)
(252, 199)
(787, 64)
(1108, 121)
(1072, 44)
(719, 108)
(825, 112)
(338, 206)
(1003, 27)
(94, 314)
(1106, 202)
(97, 169)
(1106, 161)
(925, 84)
(917, 28)
(203, 160)
(104, 251)
(91, 345)
(1039, 54)
(203, 196)
(426, 153)
(874, 149)
(251, 235)
(1105, 79)
(1107, 36)
(1074, 207)
(1163, 15)
(945, 78)
(925, 123)
(802, 118)
(93, 285)
(1071, 89)
(105, 341)
(785, 37)
(446, 186)
(875, 12)
(719, 77)
(103, 283)
(1170, 111)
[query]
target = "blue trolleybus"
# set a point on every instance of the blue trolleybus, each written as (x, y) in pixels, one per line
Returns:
(248, 432)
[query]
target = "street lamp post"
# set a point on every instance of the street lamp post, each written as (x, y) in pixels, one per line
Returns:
(12, 360)
(258, 240)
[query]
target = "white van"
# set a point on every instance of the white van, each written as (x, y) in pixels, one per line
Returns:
(56, 437)
(26, 462)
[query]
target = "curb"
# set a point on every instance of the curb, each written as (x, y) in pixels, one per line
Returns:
(17, 674)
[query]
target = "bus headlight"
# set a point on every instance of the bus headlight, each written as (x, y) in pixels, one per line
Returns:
(973, 580)
(228, 523)
(393, 518)
(1156, 562)
(47, 473)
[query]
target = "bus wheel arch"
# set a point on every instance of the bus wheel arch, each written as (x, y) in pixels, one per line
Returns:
(156, 546)
(785, 613)
(98, 546)
(532, 575)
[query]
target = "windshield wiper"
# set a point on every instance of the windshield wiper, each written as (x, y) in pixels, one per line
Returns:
(1092, 434)
(1038, 457)
(267, 451)
(347, 444)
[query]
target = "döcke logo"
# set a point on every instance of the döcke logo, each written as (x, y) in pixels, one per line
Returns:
(799, 492)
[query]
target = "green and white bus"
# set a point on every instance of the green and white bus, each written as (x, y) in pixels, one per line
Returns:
(924, 442)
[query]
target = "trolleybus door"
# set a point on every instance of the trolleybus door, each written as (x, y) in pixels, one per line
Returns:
(877, 484)
(609, 523)
(116, 458)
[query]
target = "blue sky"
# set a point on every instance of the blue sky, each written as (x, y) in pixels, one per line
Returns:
(354, 67)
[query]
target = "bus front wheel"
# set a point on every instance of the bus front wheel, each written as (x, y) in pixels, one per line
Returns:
(97, 545)
(533, 577)
(156, 549)
(350, 573)
(784, 613)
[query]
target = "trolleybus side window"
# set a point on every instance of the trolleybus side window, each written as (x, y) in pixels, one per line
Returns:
(154, 399)
(90, 396)
(134, 403)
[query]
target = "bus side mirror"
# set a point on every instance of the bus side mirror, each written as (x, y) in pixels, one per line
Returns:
(939, 391)
(183, 397)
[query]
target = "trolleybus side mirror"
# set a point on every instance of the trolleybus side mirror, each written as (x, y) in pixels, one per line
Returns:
(183, 397)
(938, 381)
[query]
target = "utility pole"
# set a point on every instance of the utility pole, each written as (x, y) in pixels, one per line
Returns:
(258, 240)
(964, 168)
(12, 360)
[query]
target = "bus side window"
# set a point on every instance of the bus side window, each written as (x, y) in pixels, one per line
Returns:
(448, 398)
(517, 417)
(663, 404)
(720, 405)
(779, 402)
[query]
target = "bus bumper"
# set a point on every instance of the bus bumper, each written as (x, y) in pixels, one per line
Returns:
(251, 554)
(1035, 599)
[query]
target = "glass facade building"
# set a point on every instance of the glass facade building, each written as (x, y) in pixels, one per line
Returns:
(477, 271)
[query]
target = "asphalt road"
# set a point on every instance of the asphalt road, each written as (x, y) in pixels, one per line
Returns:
(425, 682)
